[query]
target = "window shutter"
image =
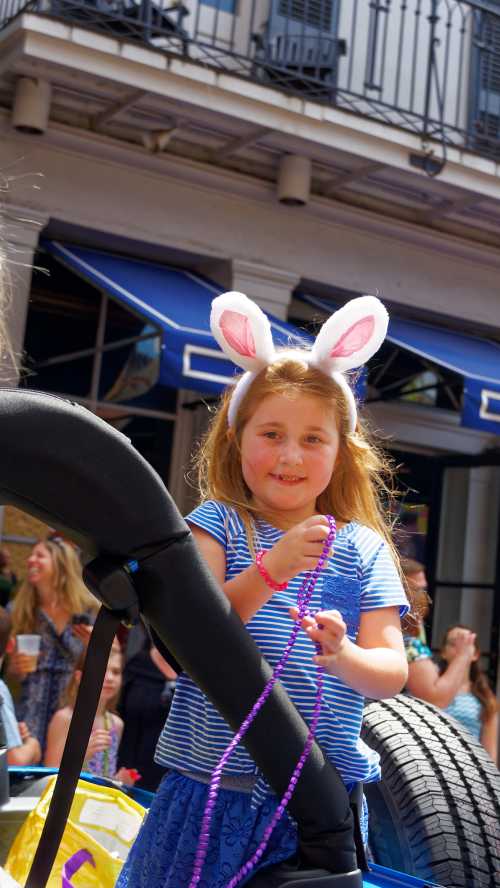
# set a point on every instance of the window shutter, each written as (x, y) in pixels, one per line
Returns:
(315, 13)
(486, 110)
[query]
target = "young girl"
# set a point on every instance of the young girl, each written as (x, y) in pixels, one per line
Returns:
(475, 704)
(101, 757)
(284, 450)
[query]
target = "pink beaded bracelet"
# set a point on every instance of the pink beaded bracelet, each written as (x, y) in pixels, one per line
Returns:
(276, 587)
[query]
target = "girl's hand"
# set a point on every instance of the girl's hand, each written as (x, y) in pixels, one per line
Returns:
(20, 665)
(127, 776)
(326, 628)
(100, 739)
(298, 550)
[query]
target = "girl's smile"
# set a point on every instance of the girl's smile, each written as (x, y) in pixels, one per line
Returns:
(288, 451)
(287, 479)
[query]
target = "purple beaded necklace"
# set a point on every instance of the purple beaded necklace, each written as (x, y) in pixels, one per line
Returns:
(303, 599)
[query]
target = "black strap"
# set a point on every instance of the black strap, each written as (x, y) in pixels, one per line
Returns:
(72, 760)
(356, 802)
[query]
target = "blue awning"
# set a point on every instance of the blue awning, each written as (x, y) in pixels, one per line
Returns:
(477, 360)
(178, 303)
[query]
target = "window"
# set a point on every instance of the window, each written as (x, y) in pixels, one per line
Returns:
(317, 13)
(221, 5)
(486, 110)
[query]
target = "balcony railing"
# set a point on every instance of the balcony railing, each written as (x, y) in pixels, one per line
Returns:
(428, 66)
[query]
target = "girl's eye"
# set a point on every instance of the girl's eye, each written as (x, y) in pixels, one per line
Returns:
(272, 435)
(313, 439)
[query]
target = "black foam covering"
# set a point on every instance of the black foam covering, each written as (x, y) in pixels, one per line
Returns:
(64, 465)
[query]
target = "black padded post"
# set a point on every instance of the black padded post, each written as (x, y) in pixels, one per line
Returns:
(67, 467)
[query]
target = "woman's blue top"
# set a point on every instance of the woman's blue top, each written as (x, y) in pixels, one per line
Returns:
(466, 708)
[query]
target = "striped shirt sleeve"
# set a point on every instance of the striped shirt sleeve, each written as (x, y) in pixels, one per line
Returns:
(212, 517)
(380, 581)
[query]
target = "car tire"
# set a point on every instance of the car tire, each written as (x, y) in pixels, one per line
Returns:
(436, 812)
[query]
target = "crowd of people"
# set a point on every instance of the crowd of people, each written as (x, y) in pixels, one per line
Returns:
(54, 604)
(53, 610)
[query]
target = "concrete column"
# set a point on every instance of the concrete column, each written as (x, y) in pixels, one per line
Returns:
(480, 546)
(467, 549)
(271, 288)
(20, 236)
(190, 426)
(452, 532)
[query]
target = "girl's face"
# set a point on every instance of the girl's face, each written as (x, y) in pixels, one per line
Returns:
(288, 451)
(112, 678)
(40, 565)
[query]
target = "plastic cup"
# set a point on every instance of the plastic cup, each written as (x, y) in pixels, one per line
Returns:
(30, 646)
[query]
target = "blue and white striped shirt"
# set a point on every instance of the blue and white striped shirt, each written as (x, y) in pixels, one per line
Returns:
(360, 576)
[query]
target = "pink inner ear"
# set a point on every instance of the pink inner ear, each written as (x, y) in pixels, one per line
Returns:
(354, 338)
(238, 333)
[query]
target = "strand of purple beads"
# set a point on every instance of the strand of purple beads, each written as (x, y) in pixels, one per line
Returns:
(303, 598)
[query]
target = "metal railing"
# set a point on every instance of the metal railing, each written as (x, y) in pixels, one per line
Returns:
(428, 66)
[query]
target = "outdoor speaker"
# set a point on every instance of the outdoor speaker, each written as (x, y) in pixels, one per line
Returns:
(294, 180)
(30, 113)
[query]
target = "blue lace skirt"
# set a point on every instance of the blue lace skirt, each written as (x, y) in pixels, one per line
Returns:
(164, 851)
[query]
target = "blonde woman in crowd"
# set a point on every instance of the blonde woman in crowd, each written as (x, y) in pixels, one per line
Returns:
(53, 603)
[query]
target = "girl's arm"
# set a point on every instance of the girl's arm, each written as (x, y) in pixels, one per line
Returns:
(376, 665)
(298, 550)
(56, 737)
(247, 592)
(489, 736)
(28, 753)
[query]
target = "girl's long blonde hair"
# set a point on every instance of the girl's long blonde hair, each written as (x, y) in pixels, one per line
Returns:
(361, 482)
(71, 592)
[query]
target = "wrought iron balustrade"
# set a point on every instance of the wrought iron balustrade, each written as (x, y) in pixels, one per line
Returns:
(428, 66)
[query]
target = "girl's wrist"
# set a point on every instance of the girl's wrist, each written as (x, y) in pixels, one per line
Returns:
(271, 578)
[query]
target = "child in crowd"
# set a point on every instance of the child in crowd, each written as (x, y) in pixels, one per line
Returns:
(475, 705)
(284, 450)
(101, 756)
(22, 748)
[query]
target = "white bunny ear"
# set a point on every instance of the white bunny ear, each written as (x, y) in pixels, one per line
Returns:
(351, 335)
(242, 330)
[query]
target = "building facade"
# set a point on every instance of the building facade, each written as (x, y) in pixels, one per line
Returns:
(301, 151)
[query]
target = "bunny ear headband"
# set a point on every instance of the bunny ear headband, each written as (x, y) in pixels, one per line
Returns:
(346, 340)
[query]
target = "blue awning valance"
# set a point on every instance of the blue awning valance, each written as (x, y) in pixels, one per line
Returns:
(178, 303)
(476, 360)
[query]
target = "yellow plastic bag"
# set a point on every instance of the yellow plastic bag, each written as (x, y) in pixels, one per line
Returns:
(101, 828)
